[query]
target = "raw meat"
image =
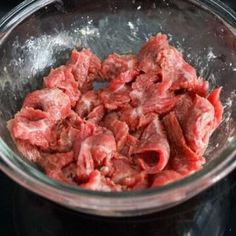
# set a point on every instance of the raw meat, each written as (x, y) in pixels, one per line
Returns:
(63, 79)
(148, 127)
(182, 159)
(165, 177)
(153, 152)
(33, 126)
(116, 64)
(85, 68)
(53, 101)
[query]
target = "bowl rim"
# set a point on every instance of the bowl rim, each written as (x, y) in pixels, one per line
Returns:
(34, 180)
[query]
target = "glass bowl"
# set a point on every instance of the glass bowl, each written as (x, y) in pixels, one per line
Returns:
(38, 35)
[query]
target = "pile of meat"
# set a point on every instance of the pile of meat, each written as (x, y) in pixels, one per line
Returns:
(149, 126)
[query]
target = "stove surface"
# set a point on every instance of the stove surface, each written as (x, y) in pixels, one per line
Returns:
(211, 213)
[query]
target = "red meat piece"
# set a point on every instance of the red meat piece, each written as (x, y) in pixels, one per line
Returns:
(165, 177)
(180, 73)
(153, 99)
(112, 100)
(94, 150)
(33, 126)
(199, 124)
(116, 64)
(63, 137)
(148, 55)
(87, 102)
(183, 107)
(55, 161)
(153, 153)
(71, 132)
(53, 165)
(144, 81)
(63, 79)
(122, 79)
(96, 114)
(69, 173)
(131, 116)
(130, 145)
(214, 99)
(31, 152)
(135, 118)
(126, 174)
(53, 101)
(117, 93)
(119, 129)
(183, 159)
(86, 129)
(98, 182)
(85, 68)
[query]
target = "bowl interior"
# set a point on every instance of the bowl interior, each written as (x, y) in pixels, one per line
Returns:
(45, 38)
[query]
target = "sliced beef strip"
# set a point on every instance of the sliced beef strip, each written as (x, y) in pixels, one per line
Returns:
(63, 79)
(182, 159)
(116, 64)
(153, 153)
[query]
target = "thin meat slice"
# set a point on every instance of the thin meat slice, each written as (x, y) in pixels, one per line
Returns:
(86, 129)
(116, 64)
(33, 126)
(103, 146)
(63, 79)
(153, 99)
(199, 124)
(214, 99)
(85, 163)
(31, 152)
(160, 105)
(94, 68)
(165, 177)
(115, 100)
(148, 55)
(79, 62)
(144, 81)
(85, 68)
(63, 136)
(53, 165)
(197, 85)
(182, 75)
(87, 102)
(53, 101)
(130, 145)
(183, 107)
(183, 159)
(56, 161)
(117, 93)
(67, 138)
(128, 175)
(122, 79)
(197, 117)
(94, 151)
(69, 173)
(131, 116)
(96, 114)
(119, 129)
(98, 182)
(135, 118)
(153, 153)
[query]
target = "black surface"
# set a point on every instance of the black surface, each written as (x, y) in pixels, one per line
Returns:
(211, 213)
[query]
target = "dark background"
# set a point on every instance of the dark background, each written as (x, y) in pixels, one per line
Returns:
(12, 3)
